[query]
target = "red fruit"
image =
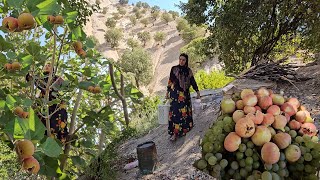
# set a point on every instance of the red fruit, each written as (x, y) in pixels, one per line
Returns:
(245, 127)
(258, 108)
(261, 136)
(280, 122)
(274, 110)
(294, 102)
(283, 140)
(238, 114)
(259, 117)
(240, 104)
(268, 119)
(309, 129)
(301, 116)
(292, 153)
(246, 92)
(295, 125)
(265, 102)
(31, 165)
(288, 108)
(232, 142)
(270, 153)
(277, 99)
(249, 109)
(250, 100)
(263, 92)
(10, 23)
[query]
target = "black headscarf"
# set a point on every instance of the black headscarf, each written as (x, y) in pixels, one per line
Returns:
(184, 69)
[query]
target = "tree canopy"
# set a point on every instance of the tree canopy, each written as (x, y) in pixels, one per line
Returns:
(246, 32)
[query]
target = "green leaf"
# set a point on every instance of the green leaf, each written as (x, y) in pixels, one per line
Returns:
(76, 33)
(85, 84)
(4, 45)
(3, 58)
(51, 148)
(48, 7)
(36, 128)
(2, 104)
(14, 129)
(33, 49)
(90, 43)
(71, 16)
(55, 101)
(11, 55)
(78, 161)
(6, 117)
(10, 101)
(49, 166)
(15, 3)
(87, 71)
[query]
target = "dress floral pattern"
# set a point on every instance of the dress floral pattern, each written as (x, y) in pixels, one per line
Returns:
(180, 113)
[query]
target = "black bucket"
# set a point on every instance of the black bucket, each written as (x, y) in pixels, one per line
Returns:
(147, 157)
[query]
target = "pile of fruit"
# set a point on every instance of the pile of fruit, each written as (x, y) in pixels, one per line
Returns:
(25, 150)
(261, 135)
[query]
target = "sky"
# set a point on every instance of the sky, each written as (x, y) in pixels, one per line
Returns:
(163, 4)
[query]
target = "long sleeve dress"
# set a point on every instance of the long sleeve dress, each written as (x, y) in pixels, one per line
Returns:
(58, 120)
(180, 113)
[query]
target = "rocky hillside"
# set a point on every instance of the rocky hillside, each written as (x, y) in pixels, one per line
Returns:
(163, 56)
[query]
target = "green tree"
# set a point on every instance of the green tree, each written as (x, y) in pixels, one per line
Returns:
(135, 9)
(174, 14)
(166, 17)
(155, 8)
(132, 43)
(182, 24)
(159, 37)
(155, 15)
(105, 10)
(138, 14)
(145, 21)
(138, 62)
(113, 37)
(122, 11)
(144, 37)
(139, 4)
(196, 50)
(213, 80)
(254, 28)
(133, 19)
(192, 32)
(116, 16)
(123, 2)
(111, 23)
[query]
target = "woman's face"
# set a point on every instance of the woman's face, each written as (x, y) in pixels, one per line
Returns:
(182, 60)
(47, 68)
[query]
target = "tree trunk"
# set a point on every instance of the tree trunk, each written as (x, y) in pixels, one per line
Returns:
(137, 82)
(101, 141)
(122, 95)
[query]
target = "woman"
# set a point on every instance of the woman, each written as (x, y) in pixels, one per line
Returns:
(180, 114)
(59, 116)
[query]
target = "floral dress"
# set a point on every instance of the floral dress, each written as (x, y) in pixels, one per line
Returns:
(180, 113)
(58, 120)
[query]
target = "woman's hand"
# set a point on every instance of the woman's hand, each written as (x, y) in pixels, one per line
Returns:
(198, 94)
(167, 95)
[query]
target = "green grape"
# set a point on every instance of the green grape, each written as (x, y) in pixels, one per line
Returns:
(300, 167)
(217, 130)
(208, 147)
(275, 167)
(299, 139)
(218, 156)
(307, 157)
(217, 147)
(206, 157)
(248, 168)
(282, 164)
(249, 152)
(292, 168)
(227, 120)
(237, 176)
(315, 139)
(306, 138)
(250, 144)
(221, 137)
(312, 177)
(202, 164)
(317, 146)
(223, 163)
(287, 129)
(234, 165)
(310, 144)
(227, 128)
(222, 173)
(268, 167)
(303, 150)
(256, 165)
(249, 160)
(231, 171)
(275, 176)
(245, 140)
(256, 174)
(219, 124)
(206, 171)
(266, 175)
(212, 160)
(239, 155)
(243, 172)
(282, 172)
(242, 147)
(216, 168)
(293, 133)
(308, 168)
(255, 157)
(315, 163)
(251, 177)
(300, 160)
(315, 153)
(215, 174)
(242, 163)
